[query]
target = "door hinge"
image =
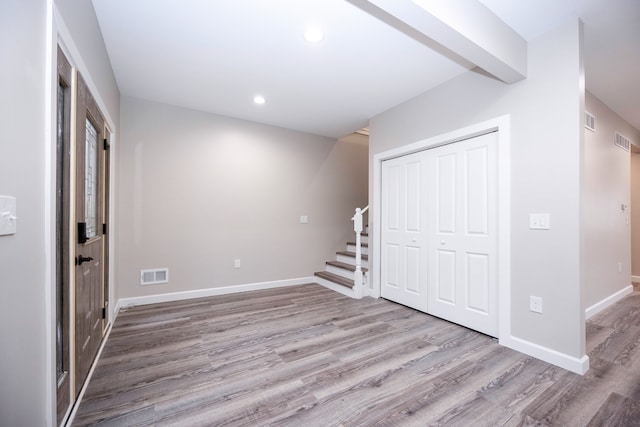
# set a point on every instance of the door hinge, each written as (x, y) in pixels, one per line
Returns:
(104, 228)
(104, 313)
(106, 144)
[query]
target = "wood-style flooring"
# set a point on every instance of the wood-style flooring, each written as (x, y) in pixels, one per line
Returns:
(307, 356)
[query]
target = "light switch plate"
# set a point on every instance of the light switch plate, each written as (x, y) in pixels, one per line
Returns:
(304, 219)
(8, 217)
(539, 221)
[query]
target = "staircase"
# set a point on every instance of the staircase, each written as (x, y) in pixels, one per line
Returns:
(339, 274)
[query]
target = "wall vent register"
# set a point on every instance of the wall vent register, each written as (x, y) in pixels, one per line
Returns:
(589, 121)
(622, 142)
(154, 276)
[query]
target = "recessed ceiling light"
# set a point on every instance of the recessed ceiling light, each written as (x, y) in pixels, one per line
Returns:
(259, 99)
(314, 35)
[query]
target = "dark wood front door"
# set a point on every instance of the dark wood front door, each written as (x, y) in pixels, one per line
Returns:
(89, 253)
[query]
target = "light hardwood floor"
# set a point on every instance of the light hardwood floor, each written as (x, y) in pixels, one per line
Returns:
(307, 356)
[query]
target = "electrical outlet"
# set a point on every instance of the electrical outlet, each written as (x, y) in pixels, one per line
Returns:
(236, 263)
(619, 267)
(535, 304)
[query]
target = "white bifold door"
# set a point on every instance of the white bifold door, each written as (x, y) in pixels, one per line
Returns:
(439, 232)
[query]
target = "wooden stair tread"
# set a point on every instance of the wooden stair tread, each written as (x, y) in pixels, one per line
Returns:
(364, 245)
(352, 254)
(335, 279)
(344, 265)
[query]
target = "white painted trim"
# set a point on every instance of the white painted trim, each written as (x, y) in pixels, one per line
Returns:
(577, 365)
(504, 226)
(335, 287)
(73, 55)
(50, 75)
(607, 302)
(199, 293)
(366, 288)
(635, 279)
(500, 124)
(76, 405)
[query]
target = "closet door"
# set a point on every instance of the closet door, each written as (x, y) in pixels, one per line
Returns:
(439, 232)
(404, 254)
(462, 186)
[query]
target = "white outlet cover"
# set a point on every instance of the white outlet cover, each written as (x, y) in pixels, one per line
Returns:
(304, 219)
(535, 304)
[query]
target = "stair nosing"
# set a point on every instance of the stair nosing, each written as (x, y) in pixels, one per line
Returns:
(344, 266)
(343, 281)
(364, 245)
(352, 254)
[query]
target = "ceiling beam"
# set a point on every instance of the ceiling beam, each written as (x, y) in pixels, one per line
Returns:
(465, 31)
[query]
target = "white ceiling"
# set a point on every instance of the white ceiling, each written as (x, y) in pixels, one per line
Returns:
(611, 43)
(216, 55)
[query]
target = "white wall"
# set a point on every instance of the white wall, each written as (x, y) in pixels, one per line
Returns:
(80, 19)
(76, 29)
(199, 190)
(635, 214)
(27, 328)
(546, 139)
(22, 256)
(607, 182)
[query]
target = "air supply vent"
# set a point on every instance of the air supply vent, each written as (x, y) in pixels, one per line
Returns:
(623, 142)
(589, 121)
(154, 277)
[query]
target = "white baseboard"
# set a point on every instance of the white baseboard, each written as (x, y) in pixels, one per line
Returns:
(608, 301)
(76, 404)
(209, 292)
(570, 363)
(635, 279)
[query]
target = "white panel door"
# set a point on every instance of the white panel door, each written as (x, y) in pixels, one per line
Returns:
(462, 234)
(404, 257)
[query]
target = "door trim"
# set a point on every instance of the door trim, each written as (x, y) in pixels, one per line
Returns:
(502, 125)
(57, 34)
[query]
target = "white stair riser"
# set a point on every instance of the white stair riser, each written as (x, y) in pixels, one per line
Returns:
(334, 286)
(340, 271)
(352, 248)
(352, 261)
(363, 239)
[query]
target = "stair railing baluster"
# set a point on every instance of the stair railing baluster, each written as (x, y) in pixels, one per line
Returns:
(357, 275)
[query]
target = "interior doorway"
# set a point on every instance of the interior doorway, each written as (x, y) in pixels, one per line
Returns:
(82, 244)
(439, 232)
(500, 127)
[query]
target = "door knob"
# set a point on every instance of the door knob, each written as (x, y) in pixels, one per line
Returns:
(80, 259)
